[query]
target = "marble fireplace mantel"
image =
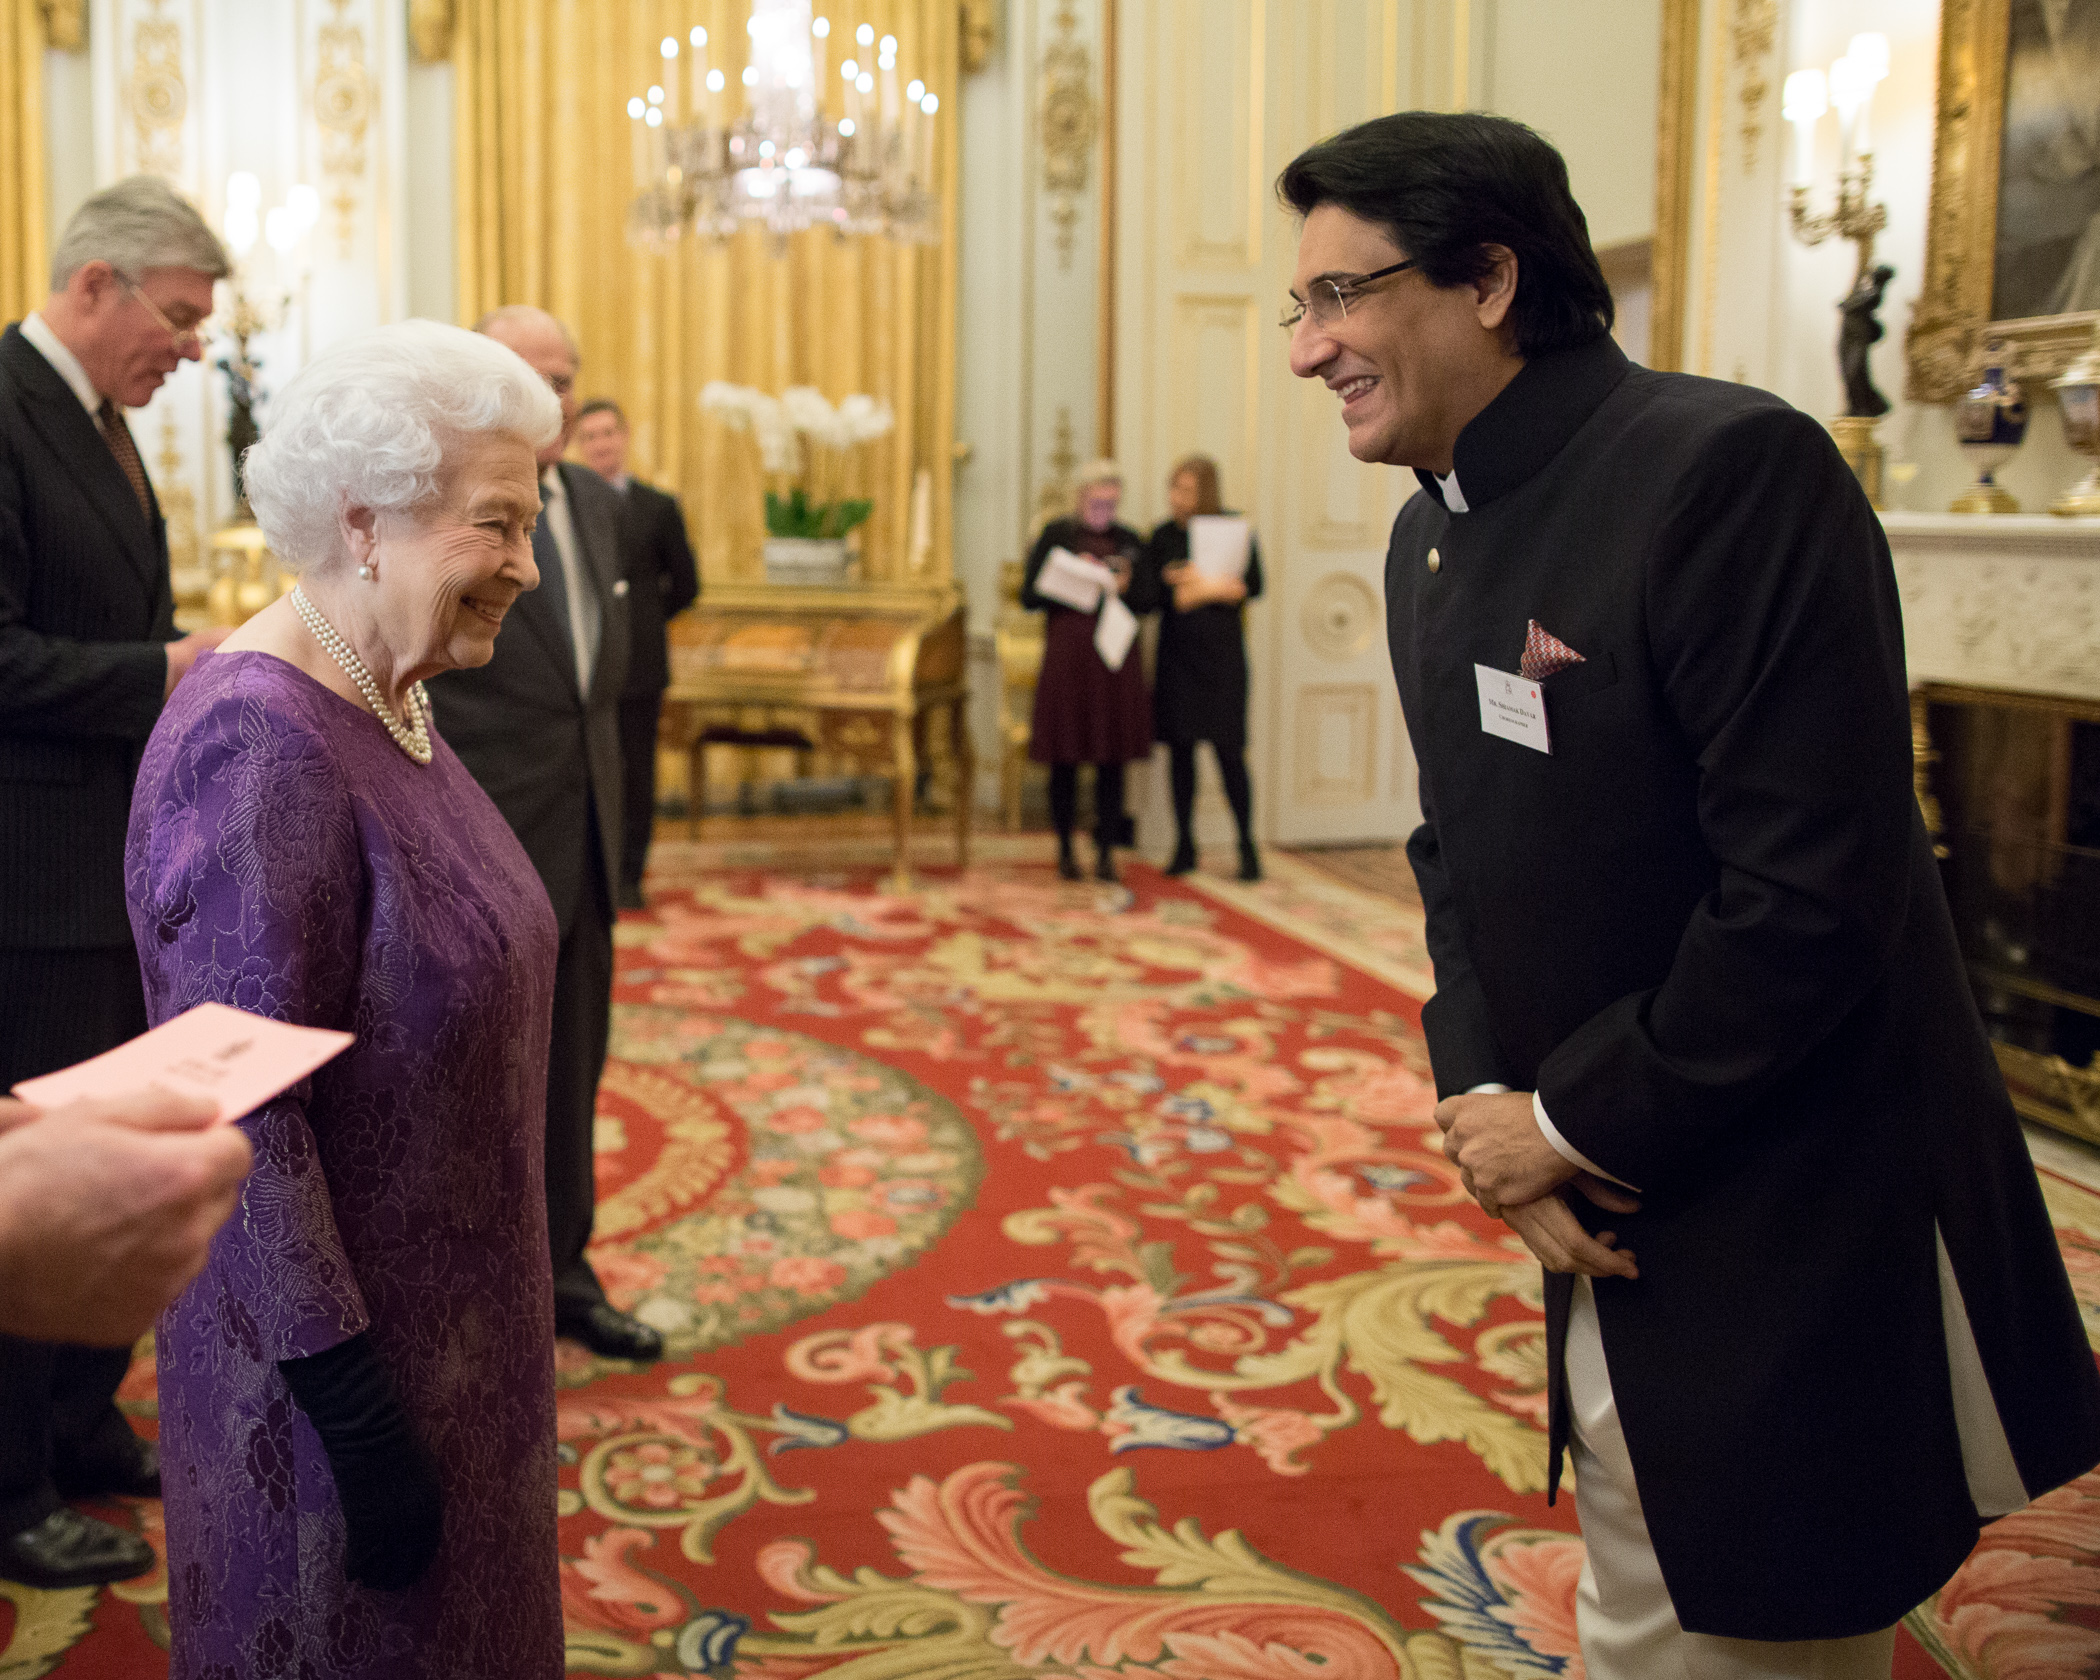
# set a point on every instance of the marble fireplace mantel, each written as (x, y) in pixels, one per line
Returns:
(2008, 601)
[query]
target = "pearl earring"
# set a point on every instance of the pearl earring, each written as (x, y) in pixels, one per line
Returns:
(365, 572)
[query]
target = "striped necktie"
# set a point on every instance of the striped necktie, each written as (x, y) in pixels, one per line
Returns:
(118, 436)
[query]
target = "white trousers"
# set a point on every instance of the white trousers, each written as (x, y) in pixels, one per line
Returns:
(1623, 1614)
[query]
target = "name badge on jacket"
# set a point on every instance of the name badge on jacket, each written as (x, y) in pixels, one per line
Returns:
(1512, 708)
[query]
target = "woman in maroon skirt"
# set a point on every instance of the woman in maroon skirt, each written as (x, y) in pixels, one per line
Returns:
(1084, 712)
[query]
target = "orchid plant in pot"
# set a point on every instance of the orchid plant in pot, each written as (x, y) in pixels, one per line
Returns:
(806, 447)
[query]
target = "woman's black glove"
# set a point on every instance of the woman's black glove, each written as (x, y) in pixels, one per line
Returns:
(393, 1507)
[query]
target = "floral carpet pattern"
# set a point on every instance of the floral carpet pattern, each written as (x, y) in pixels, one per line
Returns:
(1065, 1281)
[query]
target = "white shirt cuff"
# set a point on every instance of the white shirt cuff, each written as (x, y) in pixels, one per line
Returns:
(1567, 1151)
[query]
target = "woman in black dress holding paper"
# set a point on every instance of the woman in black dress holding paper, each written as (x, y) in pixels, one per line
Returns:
(1086, 713)
(1199, 683)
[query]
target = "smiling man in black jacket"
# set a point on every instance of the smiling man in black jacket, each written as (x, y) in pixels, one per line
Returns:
(1701, 1027)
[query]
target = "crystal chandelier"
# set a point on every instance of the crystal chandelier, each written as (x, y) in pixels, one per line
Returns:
(850, 150)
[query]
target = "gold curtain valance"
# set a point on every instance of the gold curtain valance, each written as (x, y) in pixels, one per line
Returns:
(545, 173)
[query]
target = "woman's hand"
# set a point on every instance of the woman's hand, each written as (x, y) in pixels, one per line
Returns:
(385, 1478)
(1193, 589)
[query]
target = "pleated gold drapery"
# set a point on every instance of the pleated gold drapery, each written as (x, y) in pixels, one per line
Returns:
(25, 265)
(544, 177)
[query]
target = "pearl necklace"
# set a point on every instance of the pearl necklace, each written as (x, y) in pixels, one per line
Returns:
(412, 736)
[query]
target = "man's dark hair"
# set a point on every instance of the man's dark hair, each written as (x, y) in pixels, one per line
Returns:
(1448, 185)
(601, 405)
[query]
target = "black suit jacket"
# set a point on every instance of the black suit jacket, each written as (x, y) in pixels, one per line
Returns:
(85, 606)
(548, 755)
(1708, 929)
(663, 581)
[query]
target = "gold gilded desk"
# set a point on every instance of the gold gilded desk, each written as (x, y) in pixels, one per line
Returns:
(856, 672)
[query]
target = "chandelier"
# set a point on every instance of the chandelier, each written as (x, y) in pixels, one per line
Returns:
(851, 149)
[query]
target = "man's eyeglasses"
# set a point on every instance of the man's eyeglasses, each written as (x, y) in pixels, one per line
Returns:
(185, 338)
(1327, 301)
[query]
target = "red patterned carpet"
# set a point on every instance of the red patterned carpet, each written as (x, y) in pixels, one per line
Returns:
(1064, 1281)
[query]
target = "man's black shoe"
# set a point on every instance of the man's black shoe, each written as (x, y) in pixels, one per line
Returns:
(70, 1549)
(608, 1332)
(630, 898)
(1250, 863)
(1105, 865)
(1067, 862)
(121, 1464)
(1184, 859)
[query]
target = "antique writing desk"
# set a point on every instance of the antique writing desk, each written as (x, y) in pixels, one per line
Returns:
(855, 671)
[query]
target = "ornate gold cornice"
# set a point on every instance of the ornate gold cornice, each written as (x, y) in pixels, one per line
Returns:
(430, 30)
(65, 23)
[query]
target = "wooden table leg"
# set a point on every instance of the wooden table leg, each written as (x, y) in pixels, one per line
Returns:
(904, 762)
(965, 754)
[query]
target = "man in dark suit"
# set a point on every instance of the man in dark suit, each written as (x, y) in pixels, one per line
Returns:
(1701, 1027)
(663, 582)
(538, 726)
(88, 654)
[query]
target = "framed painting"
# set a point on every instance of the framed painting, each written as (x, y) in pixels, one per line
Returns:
(2012, 245)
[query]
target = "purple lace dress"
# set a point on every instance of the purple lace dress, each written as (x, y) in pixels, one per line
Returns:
(285, 856)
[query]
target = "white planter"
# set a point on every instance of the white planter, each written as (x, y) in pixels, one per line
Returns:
(809, 561)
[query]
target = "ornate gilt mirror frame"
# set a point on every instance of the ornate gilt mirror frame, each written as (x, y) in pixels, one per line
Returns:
(1952, 323)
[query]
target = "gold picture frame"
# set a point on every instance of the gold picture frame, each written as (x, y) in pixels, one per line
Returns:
(1952, 321)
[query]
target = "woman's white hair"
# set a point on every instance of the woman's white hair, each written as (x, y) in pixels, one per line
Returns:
(370, 423)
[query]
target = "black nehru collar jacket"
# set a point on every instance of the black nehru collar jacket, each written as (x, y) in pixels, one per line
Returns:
(1529, 422)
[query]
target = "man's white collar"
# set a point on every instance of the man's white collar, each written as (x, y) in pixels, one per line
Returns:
(1454, 498)
(38, 331)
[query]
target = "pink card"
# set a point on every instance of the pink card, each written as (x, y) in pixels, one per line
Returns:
(237, 1060)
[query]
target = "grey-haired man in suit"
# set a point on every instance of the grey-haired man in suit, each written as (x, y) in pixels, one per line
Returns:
(88, 654)
(539, 727)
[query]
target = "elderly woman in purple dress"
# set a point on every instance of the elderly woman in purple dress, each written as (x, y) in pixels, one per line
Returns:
(357, 1394)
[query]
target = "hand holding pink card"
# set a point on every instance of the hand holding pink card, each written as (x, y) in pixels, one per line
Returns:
(225, 1055)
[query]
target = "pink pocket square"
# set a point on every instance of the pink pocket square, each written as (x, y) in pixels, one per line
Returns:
(1544, 654)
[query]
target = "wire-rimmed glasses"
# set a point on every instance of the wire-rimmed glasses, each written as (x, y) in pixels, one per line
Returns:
(186, 338)
(1327, 299)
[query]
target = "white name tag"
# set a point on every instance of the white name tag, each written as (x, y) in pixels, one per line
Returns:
(1512, 708)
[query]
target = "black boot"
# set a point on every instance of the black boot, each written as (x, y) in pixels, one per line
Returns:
(1250, 862)
(1105, 862)
(1067, 859)
(1184, 857)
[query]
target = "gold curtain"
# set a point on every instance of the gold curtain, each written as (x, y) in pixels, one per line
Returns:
(25, 265)
(545, 174)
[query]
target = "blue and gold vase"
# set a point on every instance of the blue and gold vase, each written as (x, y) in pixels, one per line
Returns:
(1991, 422)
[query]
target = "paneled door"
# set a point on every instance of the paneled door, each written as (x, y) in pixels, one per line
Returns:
(1215, 96)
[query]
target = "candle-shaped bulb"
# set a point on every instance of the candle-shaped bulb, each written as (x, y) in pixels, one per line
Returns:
(670, 47)
(865, 34)
(915, 90)
(821, 28)
(698, 36)
(716, 81)
(636, 106)
(930, 104)
(1804, 102)
(1848, 90)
